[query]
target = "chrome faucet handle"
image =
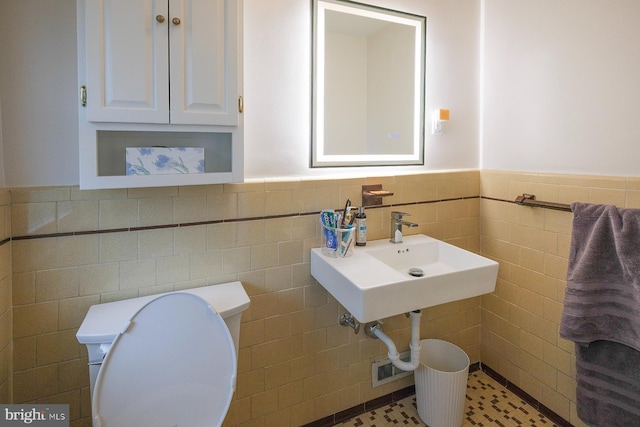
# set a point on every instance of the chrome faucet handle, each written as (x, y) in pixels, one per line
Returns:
(399, 215)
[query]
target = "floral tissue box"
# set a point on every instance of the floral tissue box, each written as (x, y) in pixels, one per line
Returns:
(164, 160)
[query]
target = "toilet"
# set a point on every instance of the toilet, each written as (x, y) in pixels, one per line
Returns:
(164, 360)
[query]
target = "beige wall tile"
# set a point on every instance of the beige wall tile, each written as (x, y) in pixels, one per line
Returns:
(137, 274)
(73, 377)
(277, 230)
(607, 196)
(155, 211)
(33, 218)
(207, 264)
(291, 328)
(118, 213)
(73, 311)
(172, 269)
(328, 198)
(155, 243)
(222, 206)
(5, 262)
(114, 193)
(56, 284)
(24, 353)
(5, 222)
(246, 187)
(304, 200)
(278, 278)
(6, 334)
(77, 215)
(98, 278)
(118, 247)
(264, 256)
(279, 202)
(251, 204)
(543, 373)
(235, 260)
(218, 236)
(140, 193)
(35, 383)
(78, 250)
(248, 233)
(35, 319)
(23, 288)
(57, 347)
(40, 194)
(290, 394)
(190, 209)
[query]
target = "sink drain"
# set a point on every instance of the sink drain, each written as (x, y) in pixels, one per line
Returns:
(416, 272)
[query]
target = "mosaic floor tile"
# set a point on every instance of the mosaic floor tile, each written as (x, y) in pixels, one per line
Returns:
(488, 404)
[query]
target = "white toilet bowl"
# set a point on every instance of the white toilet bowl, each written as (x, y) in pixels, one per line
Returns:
(169, 360)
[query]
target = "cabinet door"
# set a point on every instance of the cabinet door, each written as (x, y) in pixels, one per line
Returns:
(127, 61)
(204, 62)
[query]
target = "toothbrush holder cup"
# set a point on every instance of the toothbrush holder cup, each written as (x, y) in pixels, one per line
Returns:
(337, 242)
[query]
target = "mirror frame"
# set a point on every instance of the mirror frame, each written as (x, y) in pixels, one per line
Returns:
(318, 157)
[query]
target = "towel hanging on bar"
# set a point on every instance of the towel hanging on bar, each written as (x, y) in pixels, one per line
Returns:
(601, 313)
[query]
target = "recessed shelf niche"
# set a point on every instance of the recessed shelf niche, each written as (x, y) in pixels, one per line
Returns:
(111, 147)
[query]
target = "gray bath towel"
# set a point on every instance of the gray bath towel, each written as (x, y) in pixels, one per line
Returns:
(602, 298)
(608, 377)
(602, 313)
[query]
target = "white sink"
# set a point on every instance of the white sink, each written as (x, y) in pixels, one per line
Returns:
(374, 281)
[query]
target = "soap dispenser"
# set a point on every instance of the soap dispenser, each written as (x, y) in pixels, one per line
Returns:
(361, 227)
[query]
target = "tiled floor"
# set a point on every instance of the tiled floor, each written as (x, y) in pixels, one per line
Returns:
(488, 404)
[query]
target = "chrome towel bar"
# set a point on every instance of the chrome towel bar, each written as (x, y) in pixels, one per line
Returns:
(530, 200)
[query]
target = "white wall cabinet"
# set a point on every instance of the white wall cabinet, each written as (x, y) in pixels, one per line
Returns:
(159, 70)
(162, 61)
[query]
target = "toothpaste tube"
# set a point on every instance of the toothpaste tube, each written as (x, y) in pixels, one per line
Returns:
(329, 221)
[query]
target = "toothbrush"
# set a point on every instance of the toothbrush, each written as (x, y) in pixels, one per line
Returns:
(347, 208)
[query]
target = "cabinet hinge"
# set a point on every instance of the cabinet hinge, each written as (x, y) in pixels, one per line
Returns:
(83, 95)
(240, 104)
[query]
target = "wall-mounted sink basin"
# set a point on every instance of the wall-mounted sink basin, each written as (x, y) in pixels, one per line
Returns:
(384, 279)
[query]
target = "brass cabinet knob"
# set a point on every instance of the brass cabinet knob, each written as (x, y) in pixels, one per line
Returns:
(176, 21)
(160, 18)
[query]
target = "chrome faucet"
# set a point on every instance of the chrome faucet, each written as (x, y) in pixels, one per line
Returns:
(396, 226)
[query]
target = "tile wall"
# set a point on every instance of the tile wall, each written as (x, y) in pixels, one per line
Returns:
(74, 248)
(6, 333)
(520, 320)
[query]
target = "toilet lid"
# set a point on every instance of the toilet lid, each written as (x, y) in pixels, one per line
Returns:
(174, 364)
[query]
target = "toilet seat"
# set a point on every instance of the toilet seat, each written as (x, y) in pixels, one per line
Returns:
(173, 365)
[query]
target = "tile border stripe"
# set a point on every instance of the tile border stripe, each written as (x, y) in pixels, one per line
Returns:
(214, 221)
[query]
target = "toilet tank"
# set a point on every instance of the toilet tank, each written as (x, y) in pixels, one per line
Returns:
(103, 322)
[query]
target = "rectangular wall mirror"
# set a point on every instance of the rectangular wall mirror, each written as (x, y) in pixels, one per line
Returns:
(368, 85)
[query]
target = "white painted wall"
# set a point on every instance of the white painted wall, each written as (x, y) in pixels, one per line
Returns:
(562, 86)
(38, 88)
(277, 86)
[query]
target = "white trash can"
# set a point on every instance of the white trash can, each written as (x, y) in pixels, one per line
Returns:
(441, 383)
